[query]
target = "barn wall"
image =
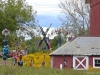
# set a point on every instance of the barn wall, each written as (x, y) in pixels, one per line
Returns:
(95, 18)
(91, 60)
(57, 60)
(94, 2)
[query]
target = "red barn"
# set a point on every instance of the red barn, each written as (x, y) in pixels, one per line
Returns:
(94, 17)
(82, 52)
(79, 54)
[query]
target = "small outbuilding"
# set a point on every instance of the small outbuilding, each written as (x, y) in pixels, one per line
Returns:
(78, 54)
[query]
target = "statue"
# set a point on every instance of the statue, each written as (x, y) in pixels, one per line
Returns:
(5, 49)
(46, 39)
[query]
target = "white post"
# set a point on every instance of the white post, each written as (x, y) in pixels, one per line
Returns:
(61, 66)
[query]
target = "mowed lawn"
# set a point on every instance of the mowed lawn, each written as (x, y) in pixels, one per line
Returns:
(9, 69)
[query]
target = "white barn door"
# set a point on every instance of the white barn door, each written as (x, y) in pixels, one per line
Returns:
(80, 62)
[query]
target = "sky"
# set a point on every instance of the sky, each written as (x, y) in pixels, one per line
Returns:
(48, 12)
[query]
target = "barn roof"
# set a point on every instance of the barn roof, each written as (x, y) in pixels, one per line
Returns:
(80, 46)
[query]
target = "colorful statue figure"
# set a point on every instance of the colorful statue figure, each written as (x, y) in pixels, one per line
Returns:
(59, 37)
(43, 63)
(65, 62)
(63, 33)
(5, 49)
(5, 53)
(45, 38)
(20, 63)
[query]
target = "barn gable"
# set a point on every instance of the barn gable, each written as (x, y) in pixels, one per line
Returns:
(80, 46)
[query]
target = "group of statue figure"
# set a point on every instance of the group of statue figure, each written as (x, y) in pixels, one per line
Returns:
(5, 49)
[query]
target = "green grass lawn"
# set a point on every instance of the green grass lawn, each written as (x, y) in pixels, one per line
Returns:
(9, 69)
(9, 61)
(15, 70)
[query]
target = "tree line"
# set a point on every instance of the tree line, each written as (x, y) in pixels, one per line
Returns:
(18, 17)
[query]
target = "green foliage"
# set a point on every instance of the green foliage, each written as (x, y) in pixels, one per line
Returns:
(54, 43)
(31, 50)
(32, 43)
(0, 49)
(14, 13)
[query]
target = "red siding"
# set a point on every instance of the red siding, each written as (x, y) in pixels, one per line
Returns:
(57, 60)
(91, 60)
(94, 2)
(95, 18)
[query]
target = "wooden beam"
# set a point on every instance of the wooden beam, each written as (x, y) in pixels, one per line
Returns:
(87, 1)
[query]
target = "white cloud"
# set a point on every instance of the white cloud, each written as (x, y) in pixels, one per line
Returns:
(45, 6)
(43, 2)
(47, 12)
(44, 28)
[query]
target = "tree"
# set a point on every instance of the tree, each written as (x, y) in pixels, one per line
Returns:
(76, 18)
(15, 14)
(54, 43)
(32, 44)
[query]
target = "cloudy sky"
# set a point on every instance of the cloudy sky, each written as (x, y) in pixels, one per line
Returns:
(47, 12)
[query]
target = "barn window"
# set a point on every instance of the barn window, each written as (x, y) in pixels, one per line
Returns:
(96, 62)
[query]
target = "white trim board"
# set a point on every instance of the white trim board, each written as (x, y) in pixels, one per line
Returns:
(94, 61)
(75, 58)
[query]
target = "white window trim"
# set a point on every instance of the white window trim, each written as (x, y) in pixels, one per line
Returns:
(94, 62)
